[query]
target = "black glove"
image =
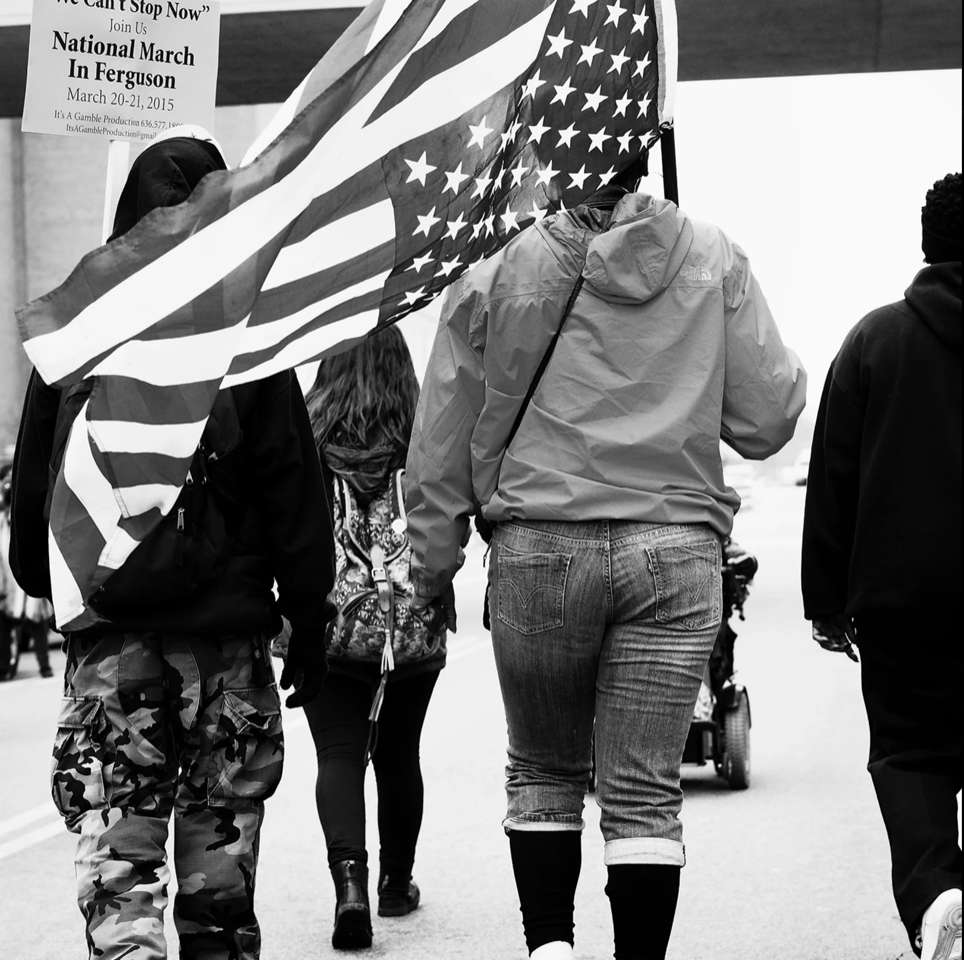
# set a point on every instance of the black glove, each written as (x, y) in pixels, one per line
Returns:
(437, 613)
(306, 667)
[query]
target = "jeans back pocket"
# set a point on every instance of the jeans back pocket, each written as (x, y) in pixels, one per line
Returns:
(532, 590)
(689, 583)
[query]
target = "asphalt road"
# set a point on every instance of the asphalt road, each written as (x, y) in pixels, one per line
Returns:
(796, 868)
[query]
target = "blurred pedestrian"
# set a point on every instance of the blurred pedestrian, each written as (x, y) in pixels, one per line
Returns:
(579, 386)
(882, 563)
(171, 704)
(384, 661)
(24, 621)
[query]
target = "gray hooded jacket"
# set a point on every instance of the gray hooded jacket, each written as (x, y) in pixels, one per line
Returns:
(669, 349)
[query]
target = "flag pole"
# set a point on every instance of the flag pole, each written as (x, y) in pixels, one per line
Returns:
(667, 142)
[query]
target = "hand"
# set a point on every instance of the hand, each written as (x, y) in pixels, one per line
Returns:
(836, 635)
(437, 612)
(306, 667)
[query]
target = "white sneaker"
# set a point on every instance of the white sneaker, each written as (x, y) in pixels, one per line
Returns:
(560, 950)
(941, 930)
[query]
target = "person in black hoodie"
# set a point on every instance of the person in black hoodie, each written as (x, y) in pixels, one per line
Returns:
(882, 564)
(172, 707)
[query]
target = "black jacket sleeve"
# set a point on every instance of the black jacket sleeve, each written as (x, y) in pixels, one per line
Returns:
(287, 478)
(833, 489)
(28, 488)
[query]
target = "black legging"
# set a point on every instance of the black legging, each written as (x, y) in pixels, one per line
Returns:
(338, 719)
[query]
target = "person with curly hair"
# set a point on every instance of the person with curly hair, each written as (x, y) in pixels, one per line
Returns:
(362, 409)
(882, 564)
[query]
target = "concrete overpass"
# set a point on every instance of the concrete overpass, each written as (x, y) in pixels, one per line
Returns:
(752, 38)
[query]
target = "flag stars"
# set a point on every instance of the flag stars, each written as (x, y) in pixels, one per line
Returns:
(510, 134)
(616, 12)
(595, 100)
(578, 180)
(566, 136)
(644, 106)
(608, 177)
(518, 174)
(448, 267)
(482, 185)
(490, 225)
(510, 220)
(426, 223)
(420, 169)
(589, 53)
(598, 140)
(538, 213)
(537, 131)
(563, 92)
(413, 296)
(455, 227)
(558, 44)
(420, 263)
(625, 142)
(532, 85)
(619, 61)
(479, 132)
(581, 6)
(622, 105)
(641, 20)
(546, 175)
(454, 179)
(641, 66)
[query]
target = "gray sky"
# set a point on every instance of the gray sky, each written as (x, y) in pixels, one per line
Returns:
(823, 188)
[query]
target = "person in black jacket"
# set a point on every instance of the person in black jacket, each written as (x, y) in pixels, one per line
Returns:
(172, 707)
(882, 564)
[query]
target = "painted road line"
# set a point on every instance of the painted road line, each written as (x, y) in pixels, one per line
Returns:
(46, 831)
(17, 823)
(32, 838)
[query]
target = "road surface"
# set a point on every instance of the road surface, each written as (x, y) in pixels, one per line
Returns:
(796, 868)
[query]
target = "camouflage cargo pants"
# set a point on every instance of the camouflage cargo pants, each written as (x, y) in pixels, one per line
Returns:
(153, 725)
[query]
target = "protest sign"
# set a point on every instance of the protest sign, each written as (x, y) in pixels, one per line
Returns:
(121, 69)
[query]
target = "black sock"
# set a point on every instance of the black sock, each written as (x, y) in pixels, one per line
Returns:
(546, 869)
(643, 898)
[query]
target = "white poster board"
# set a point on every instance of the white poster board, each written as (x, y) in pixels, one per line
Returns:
(121, 69)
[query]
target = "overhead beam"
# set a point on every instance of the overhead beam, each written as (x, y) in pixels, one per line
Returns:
(265, 54)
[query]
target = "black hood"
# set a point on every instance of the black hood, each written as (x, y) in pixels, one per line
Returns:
(164, 175)
(935, 296)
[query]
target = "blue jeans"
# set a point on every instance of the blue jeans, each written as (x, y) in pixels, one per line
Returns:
(608, 624)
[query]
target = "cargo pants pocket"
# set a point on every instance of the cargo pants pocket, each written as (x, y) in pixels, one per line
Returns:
(248, 747)
(77, 776)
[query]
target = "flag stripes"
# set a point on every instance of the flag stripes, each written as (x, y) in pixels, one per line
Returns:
(432, 133)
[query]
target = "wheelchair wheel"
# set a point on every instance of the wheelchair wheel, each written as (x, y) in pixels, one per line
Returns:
(736, 755)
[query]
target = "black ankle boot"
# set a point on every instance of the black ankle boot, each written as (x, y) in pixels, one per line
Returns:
(398, 896)
(353, 917)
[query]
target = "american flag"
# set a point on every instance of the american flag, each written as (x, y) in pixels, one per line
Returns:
(431, 135)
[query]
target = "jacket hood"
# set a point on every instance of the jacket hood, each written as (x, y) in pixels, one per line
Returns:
(366, 470)
(935, 296)
(165, 174)
(641, 253)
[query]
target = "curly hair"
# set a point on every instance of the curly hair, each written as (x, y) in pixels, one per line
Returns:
(941, 220)
(367, 395)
